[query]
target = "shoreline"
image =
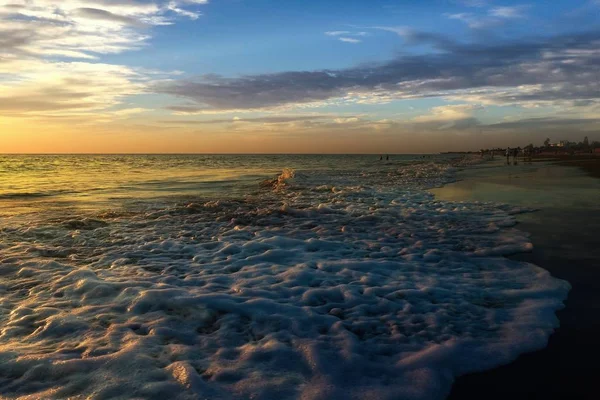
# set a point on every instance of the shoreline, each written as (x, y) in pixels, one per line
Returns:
(590, 165)
(565, 231)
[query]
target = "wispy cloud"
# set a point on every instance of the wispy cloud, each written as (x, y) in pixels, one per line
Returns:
(551, 69)
(177, 8)
(346, 33)
(337, 33)
(508, 12)
(46, 45)
(280, 119)
(488, 18)
(81, 28)
(448, 113)
(399, 30)
(347, 36)
(350, 40)
(103, 15)
(52, 89)
(450, 116)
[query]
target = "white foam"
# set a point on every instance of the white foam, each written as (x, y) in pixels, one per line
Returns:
(355, 285)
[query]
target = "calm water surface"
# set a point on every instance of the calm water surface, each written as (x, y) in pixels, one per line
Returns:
(33, 183)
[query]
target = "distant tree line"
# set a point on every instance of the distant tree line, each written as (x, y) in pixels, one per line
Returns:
(571, 146)
(563, 146)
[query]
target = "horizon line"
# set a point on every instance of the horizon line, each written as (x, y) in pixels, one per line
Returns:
(227, 154)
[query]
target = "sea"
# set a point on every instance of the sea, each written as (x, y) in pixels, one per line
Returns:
(257, 277)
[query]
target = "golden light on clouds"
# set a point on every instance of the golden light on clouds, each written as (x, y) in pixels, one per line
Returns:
(71, 81)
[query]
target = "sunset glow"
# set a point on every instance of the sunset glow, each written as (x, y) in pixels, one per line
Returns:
(239, 76)
(299, 199)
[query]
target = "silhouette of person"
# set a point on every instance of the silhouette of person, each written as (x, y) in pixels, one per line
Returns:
(387, 157)
(508, 156)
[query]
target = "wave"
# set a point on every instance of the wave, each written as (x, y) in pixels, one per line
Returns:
(351, 284)
(27, 195)
(282, 180)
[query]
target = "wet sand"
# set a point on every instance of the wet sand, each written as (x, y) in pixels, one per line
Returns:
(565, 232)
(589, 163)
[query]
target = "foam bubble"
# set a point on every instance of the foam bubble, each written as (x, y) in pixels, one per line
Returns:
(354, 285)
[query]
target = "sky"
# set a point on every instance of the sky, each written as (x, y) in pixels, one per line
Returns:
(296, 76)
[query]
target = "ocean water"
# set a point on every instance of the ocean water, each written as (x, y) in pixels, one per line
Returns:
(256, 277)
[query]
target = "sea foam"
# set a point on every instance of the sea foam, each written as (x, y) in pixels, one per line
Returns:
(355, 285)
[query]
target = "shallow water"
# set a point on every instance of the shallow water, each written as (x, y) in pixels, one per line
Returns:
(566, 234)
(213, 277)
(537, 185)
(97, 182)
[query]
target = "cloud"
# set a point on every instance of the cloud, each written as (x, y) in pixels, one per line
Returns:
(448, 113)
(456, 116)
(347, 133)
(346, 33)
(414, 38)
(45, 46)
(175, 6)
(508, 12)
(563, 67)
(338, 33)
(399, 30)
(477, 22)
(488, 18)
(82, 28)
(347, 36)
(349, 40)
(545, 123)
(60, 89)
(280, 119)
(95, 13)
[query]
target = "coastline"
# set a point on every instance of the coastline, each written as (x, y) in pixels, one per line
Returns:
(565, 232)
(588, 163)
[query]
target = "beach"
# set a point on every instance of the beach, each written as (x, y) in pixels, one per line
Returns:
(565, 232)
(298, 200)
(588, 163)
